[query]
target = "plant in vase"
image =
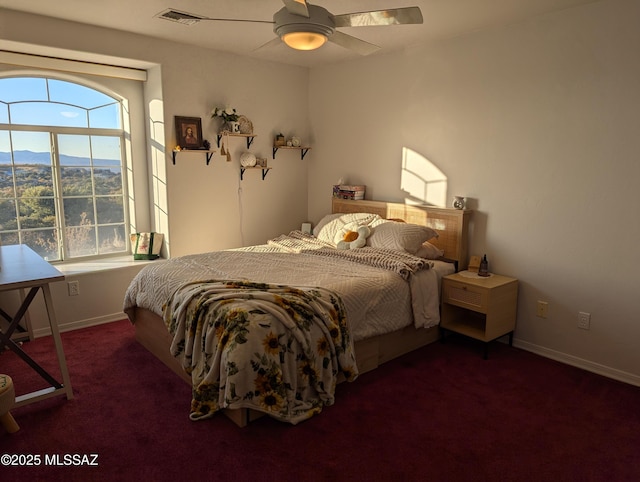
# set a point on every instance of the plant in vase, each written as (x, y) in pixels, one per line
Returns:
(229, 118)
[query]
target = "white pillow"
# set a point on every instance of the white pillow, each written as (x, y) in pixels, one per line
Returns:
(429, 251)
(332, 224)
(400, 236)
(323, 222)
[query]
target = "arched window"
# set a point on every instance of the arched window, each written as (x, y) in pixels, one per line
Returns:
(62, 176)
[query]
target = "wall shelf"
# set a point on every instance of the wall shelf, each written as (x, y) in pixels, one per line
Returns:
(249, 137)
(303, 150)
(265, 171)
(209, 154)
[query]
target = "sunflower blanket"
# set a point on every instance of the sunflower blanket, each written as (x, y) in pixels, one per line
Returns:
(273, 348)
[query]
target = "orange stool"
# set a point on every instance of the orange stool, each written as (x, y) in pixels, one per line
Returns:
(7, 400)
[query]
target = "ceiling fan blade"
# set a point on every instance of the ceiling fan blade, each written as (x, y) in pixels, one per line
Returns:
(393, 16)
(191, 18)
(270, 43)
(352, 43)
(237, 20)
(297, 7)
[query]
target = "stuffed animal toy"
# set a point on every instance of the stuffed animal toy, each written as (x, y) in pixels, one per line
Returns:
(354, 239)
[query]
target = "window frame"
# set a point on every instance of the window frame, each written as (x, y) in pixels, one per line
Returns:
(54, 132)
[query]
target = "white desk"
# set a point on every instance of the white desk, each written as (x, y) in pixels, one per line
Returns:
(22, 268)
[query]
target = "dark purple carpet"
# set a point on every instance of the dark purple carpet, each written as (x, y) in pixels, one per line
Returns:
(440, 413)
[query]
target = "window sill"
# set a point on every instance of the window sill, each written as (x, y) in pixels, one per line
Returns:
(94, 265)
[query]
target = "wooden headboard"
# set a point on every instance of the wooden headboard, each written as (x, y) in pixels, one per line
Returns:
(451, 224)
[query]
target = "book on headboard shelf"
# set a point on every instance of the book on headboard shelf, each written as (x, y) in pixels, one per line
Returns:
(349, 191)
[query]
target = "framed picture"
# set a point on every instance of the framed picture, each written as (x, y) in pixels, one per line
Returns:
(189, 132)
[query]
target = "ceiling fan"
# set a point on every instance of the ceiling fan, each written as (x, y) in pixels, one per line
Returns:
(304, 26)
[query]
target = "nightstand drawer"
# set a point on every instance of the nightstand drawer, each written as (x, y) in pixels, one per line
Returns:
(463, 295)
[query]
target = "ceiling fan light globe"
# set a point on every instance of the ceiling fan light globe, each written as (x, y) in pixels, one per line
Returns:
(304, 40)
(304, 33)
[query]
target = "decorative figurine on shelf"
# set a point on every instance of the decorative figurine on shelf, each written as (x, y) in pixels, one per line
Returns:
(279, 140)
(245, 125)
(248, 159)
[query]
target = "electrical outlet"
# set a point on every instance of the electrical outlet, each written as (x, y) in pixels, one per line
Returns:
(542, 309)
(584, 320)
(73, 288)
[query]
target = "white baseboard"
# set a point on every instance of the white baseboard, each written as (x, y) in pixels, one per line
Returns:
(76, 325)
(590, 366)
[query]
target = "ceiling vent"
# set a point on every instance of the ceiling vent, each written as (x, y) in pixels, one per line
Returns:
(180, 17)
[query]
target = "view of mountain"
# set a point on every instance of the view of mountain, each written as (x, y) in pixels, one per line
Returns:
(30, 157)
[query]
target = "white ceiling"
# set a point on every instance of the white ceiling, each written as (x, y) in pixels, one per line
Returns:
(442, 19)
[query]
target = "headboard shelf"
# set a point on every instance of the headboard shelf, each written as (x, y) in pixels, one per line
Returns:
(451, 224)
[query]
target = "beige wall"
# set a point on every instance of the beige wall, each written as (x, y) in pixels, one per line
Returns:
(537, 124)
(208, 207)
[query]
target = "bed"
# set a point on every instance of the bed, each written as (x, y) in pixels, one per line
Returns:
(371, 305)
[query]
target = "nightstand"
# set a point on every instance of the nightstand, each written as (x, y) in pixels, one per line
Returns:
(479, 307)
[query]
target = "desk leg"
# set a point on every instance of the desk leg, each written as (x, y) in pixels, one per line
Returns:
(28, 329)
(24, 306)
(13, 346)
(22, 314)
(53, 322)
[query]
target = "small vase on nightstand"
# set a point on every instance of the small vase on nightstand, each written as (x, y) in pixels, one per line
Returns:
(484, 267)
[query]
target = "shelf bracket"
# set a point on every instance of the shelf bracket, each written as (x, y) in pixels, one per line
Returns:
(265, 171)
(209, 155)
(249, 139)
(303, 152)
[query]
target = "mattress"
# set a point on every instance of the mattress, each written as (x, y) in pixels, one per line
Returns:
(377, 300)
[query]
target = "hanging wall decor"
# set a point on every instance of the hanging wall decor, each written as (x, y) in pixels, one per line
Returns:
(189, 132)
